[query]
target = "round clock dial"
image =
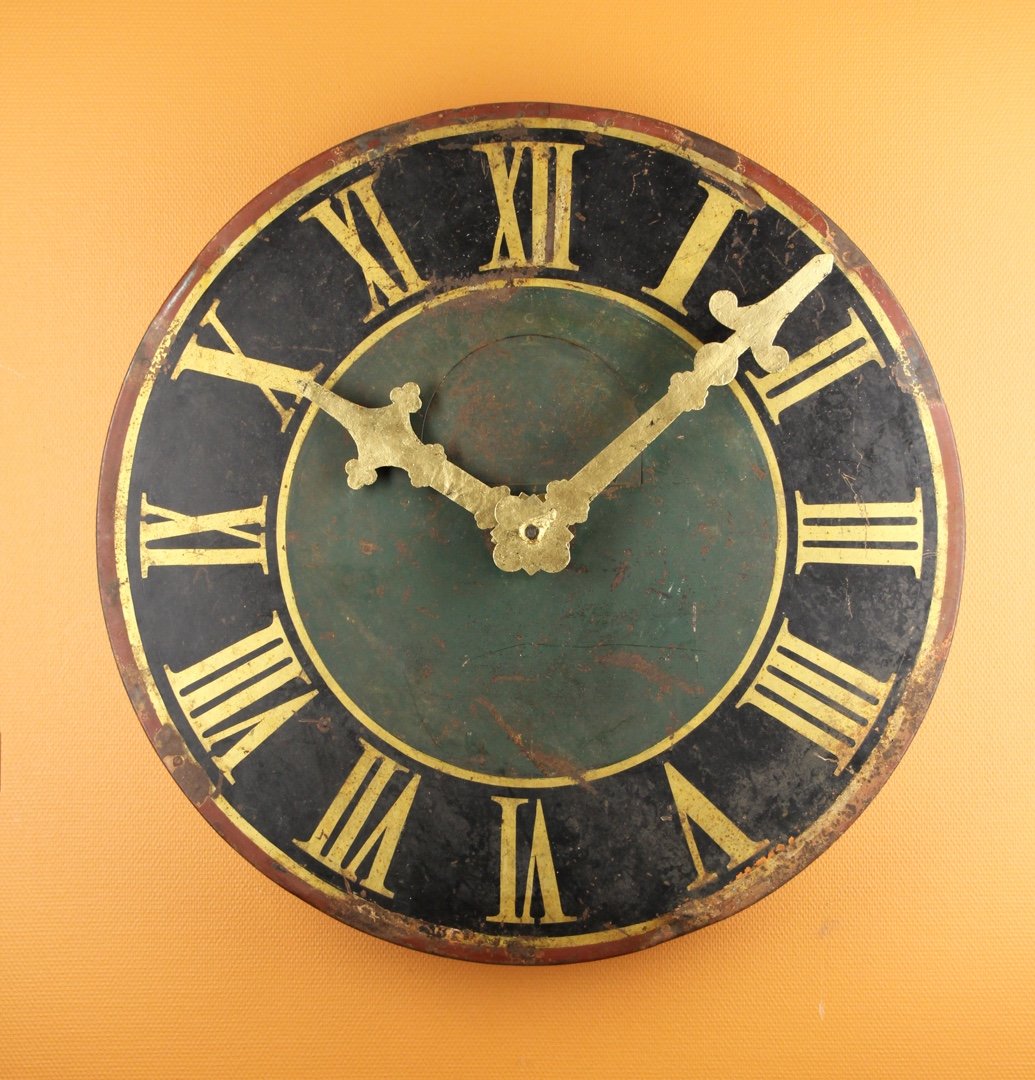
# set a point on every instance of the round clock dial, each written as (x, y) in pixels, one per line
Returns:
(530, 533)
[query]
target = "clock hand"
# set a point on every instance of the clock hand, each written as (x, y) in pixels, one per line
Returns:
(754, 327)
(533, 532)
(384, 436)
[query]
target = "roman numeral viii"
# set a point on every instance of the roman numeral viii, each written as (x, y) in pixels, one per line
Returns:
(540, 869)
(817, 695)
(343, 840)
(217, 694)
(381, 285)
(550, 225)
(861, 534)
(160, 527)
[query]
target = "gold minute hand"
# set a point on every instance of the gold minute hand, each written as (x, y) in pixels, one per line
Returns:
(384, 436)
(533, 533)
(754, 327)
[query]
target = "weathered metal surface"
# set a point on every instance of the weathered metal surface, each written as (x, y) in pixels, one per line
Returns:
(725, 663)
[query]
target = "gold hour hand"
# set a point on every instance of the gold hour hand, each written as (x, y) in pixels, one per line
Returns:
(385, 437)
(534, 532)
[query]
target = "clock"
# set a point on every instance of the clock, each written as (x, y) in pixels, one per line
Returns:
(529, 533)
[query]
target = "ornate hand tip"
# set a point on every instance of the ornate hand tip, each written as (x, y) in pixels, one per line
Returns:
(406, 397)
(359, 475)
(806, 279)
(755, 326)
(723, 305)
(772, 357)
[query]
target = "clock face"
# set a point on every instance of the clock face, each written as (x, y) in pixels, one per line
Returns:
(530, 533)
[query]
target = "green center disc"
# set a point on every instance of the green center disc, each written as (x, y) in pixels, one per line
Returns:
(549, 678)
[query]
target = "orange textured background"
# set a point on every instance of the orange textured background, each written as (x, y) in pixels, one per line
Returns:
(133, 941)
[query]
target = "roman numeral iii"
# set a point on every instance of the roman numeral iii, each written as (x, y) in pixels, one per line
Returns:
(861, 533)
(382, 287)
(817, 695)
(540, 869)
(549, 230)
(344, 841)
(217, 693)
(246, 527)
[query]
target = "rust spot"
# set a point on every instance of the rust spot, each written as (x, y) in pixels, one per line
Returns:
(191, 777)
(663, 681)
(447, 729)
(368, 547)
(321, 723)
(547, 764)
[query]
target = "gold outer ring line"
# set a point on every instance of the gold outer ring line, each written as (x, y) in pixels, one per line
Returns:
(702, 714)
